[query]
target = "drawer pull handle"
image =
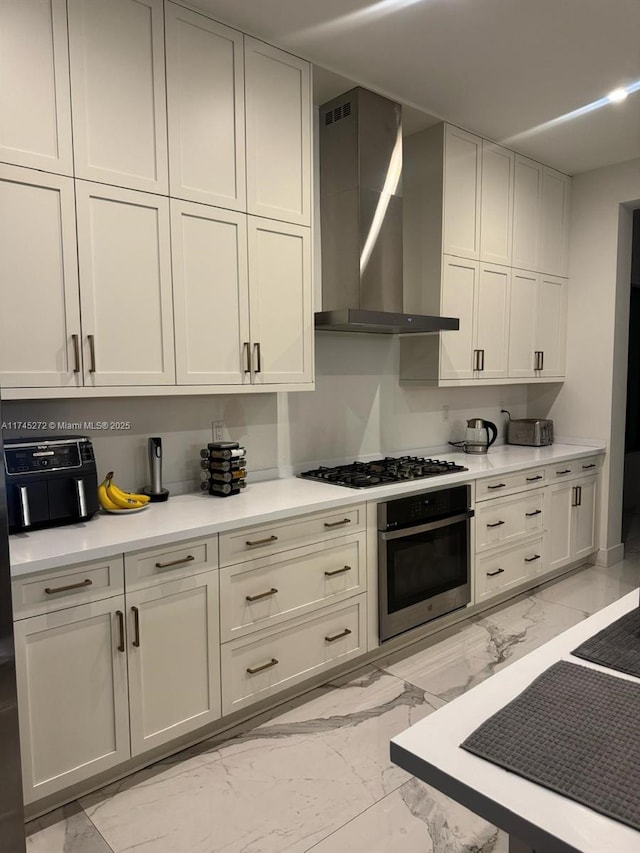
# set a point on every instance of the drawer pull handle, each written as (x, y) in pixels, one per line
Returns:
(257, 542)
(253, 669)
(52, 590)
(188, 559)
(493, 574)
(585, 467)
(260, 595)
(337, 572)
(498, 486)
(533, 479)
(136, 627)
(337, 523)
(532, 559)
(531, 514)
(339, 636)
(496, 524)
(565, 471)
(120, 616)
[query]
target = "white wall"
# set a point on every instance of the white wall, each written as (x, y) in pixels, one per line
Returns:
(591, 403)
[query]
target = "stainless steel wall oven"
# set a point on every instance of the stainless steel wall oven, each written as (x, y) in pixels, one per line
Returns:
(423, 558)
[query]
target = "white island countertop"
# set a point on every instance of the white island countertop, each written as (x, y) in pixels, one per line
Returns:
(189, 516)
(539, 818)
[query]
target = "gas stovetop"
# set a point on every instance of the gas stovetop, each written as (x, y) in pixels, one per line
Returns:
(364, 475)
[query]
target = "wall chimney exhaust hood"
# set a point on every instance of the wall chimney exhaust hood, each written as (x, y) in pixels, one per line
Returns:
(361, 219)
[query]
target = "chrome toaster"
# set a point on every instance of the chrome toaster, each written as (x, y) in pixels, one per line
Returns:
(533, 432)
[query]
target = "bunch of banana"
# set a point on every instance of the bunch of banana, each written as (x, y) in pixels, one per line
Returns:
(112, 497)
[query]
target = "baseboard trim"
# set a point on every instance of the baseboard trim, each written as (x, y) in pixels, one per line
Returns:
(608, 556)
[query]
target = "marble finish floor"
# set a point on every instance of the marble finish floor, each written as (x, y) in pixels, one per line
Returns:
(316, 775)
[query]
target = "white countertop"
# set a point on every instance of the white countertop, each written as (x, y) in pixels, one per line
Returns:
(537, 816)
(190, 516)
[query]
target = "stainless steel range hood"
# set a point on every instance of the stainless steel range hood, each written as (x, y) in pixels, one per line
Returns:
(361, 219)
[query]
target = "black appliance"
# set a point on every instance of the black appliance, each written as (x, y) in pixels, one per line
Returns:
(50, 481)
(363, 475)
(423, 558)
(11, 809)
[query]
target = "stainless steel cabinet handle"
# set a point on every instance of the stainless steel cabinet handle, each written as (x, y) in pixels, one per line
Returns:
(498, 486)
(254, 669)
(481, 360)
(476, 359)
(260, 595)
(337, 572)
(532, 559)
(258, 367)
(533, 479)
(339, 636)
(564, 471)
(574, 499)
(52, 590)
(246, 346)
(23, 496)
(189, 559)
(586, 467)
(337, 523)
(493, 574)
(136, 627)
(496, 524)
(542, 360)
(92, 353)
(256, 542)
(75, 340)
(531, 514)
(120, 616)
(579, 495)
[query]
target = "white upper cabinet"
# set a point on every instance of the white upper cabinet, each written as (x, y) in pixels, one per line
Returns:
(459, 286)
(538, 322)
(118, 92)
(551, 327)
(527, 206)
(280, 307)
(461, 193)
(522, 323)
(492, 321)
(211, 296)
(39, 281)
(125, 274)
(496, 213)
(35, 123)
(278, 127)
(554, 226)
(205, 101)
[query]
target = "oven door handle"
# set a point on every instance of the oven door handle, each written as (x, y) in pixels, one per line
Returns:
(423, 528)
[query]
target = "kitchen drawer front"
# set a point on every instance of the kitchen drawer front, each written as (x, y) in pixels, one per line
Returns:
(506, 520)
(575, 468)
(251, 542)
(67, 587)
(158, 565)
(257, 666)
(495, 487)
(271, 590)
(500, 570)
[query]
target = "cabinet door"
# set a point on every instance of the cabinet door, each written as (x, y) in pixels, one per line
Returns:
(560, 521)
(174, 659)
(461, 197)
(34, 85)
(278, 121)
(71, 669)
(526, 213)
(118, 92)
(584, 539)
(125, 271)
(492, 321)
(211, 294)
(280, 308)
(39, 282)
(459, 282)
(522, 322)
(554, 225)
(496, 217)
(205, 103)
(551, 326)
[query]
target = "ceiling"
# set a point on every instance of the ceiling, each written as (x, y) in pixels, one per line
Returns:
(499, 68)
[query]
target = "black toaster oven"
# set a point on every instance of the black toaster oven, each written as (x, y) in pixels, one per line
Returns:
(49, 481)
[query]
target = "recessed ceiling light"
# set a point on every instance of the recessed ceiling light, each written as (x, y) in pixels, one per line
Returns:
(617, 95)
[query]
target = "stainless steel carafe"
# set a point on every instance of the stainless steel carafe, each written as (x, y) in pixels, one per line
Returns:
(476, 438)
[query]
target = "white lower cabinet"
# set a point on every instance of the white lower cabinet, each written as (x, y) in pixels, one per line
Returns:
(572, 529)
(504, 520)
(508, 567)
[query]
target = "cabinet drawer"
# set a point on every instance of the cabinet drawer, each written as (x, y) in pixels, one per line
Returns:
(66, 587)
(496, 572)
(268, 591)
(157, 565)
(250, 542)
(505, 520)
(575, 468)
(493, 487)
(257, 666)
